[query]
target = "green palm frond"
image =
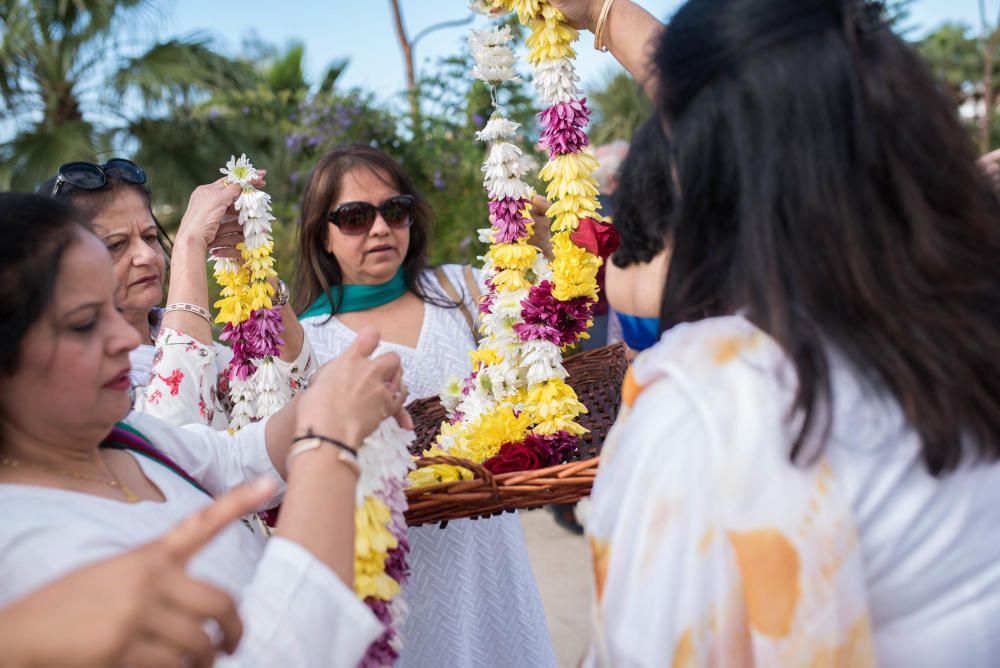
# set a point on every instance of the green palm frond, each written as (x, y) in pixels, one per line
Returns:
(35, 155)
(180, 67)
(620, 107)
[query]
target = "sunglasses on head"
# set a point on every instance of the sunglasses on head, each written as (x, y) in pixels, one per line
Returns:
(358, 217)
(90, 176)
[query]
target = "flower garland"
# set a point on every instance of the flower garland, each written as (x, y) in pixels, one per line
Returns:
(253, 329)
(253, 324)
(515, 411)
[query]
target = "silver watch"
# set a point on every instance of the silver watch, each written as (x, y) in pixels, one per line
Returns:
(281, 296)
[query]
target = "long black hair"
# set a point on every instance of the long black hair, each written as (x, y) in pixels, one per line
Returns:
(829, 191)
(644, 197)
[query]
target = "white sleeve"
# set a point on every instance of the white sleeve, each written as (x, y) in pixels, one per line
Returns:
(297, 372)
(298, 614)
(183, 382)
(218, 460)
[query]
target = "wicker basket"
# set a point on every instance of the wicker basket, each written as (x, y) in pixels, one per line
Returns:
(596, 376)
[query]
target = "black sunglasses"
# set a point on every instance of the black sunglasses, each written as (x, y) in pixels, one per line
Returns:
(90, 176)
(355, 218)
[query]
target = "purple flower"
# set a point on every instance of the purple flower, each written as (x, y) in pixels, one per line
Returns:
(549, 319)
(555, 448)
(380, 652)
(562, 127)
(396, 566)
(439, 181)
(264, 328)
(213, 114)
(507, 216)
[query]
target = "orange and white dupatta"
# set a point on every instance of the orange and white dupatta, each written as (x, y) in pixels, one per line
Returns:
(709, 547)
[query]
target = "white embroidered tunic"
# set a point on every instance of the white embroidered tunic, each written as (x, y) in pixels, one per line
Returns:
(472, 597)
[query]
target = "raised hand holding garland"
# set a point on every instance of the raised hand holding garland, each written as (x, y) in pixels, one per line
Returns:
(253, 329)
(515, 411)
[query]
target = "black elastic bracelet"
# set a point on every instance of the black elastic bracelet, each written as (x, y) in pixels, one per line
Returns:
(326, 439)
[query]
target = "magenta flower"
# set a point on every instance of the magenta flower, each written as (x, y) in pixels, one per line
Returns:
(396, 566)
(264, 329)
(507, 216)
(549, 319)
(553, 449)
(562, 127)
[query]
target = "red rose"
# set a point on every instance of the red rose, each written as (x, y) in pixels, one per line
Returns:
(513, 457)
(600, 239)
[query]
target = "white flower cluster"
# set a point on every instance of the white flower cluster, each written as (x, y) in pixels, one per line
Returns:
(272, 393)
(498, 127)
(505, 168)
(495, 59)
(383, 458)
(241, 392)
(556, 81)
(484, 7)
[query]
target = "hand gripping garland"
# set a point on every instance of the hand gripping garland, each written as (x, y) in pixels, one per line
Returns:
(253, 328)
(515, 410)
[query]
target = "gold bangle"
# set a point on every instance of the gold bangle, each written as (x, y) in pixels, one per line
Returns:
(599, 29)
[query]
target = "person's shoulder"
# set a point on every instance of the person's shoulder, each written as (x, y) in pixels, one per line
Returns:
(723, 365)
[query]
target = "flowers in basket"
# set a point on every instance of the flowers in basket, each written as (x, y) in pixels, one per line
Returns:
(515, 410)
(253, 329)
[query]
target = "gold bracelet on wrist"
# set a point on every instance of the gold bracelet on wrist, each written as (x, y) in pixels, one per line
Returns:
(599, 28)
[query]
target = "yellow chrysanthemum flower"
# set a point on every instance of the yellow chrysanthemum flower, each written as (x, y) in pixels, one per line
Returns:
(509, 280)
(557, 424)
(260, 295)
(484, 356)
(520, 255)
(570, 166)
(585, 186)
(550, 40)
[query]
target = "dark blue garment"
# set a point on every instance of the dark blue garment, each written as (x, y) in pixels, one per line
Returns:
(639, 333)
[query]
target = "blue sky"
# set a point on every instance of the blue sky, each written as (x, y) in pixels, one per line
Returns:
(363, 32)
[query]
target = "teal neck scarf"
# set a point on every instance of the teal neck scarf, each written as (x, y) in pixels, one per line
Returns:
(358, 297)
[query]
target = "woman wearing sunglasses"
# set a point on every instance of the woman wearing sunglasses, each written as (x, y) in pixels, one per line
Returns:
(178, 369)
(363, 262)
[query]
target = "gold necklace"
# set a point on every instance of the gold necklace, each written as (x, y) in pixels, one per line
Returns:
(114, 483)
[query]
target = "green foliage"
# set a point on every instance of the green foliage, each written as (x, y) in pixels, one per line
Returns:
(66, 79)
(620, 107)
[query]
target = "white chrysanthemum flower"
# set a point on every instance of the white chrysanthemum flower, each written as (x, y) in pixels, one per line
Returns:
(505, 377)
(253, 241)
(498, 127)
(258, 224)
(486, 235)
(226, 264)
(451, 394)
(542, 269)
(243, 403)
(494, 58)
(503, 153)
(239, 171)
(477, 401)
(513, 187)
(556, 81)
(484, 7)
(252, 203)
(383, 456)
(542, 361)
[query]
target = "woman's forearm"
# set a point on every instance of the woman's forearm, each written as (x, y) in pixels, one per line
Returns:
(631, 34)
(189, 285)
(294, 335)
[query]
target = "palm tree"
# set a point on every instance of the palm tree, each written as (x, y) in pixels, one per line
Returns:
(70, 89)
(620, 107)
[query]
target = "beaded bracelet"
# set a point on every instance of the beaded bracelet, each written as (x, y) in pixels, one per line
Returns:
(190, 308)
